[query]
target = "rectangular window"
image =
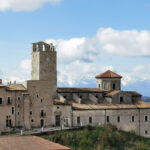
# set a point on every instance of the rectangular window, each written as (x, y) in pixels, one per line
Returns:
(13, 110)
(107, 118)
(146, 118)
(9, 100)
(146, 132)
(90, 119)
(121, 99)
(118, 119)
(1, 100)
(18, 98)
(30, 112)
(133, 119)
(78, 120)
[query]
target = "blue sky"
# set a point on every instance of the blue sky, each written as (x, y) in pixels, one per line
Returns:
(91, 37)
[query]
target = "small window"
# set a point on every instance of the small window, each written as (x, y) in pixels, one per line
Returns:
(121, 99)
(133, 119)
(18, 98)
(146, 132)
(99, 86)
(57, 107)
(32, 120)
(118, 119)
(80, 96)
(96, 96)
(78, 120)
(65, 96)
(18, 105)
(30, 112)
(90, 119)
(18, 113)
(41, 100)
(13, 110)
(114, 86)
(9, 100)
(37, 95)
(107, 118)
(146, 119)
(42, 113)
(1, 100)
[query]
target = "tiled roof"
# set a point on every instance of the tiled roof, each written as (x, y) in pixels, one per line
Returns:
(108, 74)
(80, 90)
(28, 143)
(112, 93)
(16, 87)
(140, 104)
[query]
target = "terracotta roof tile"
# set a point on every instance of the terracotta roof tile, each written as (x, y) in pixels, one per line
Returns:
(28, 143)
(108, 74)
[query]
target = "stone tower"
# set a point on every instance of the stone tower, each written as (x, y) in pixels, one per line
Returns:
(43, 62)
(109, 81)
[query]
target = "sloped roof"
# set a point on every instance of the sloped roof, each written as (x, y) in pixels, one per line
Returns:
(28, 143)
(140, 104)
(112, 93)
(16, 87)
(80, 90)
(108, 74)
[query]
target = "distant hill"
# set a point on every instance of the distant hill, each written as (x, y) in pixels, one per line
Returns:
(99, 138)
(146, 99)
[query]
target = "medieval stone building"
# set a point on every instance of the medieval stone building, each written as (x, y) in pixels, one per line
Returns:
(39, 103)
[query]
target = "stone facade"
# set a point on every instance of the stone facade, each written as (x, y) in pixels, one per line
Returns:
(39, 103)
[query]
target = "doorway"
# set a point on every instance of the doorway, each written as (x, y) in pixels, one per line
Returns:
(57, 120)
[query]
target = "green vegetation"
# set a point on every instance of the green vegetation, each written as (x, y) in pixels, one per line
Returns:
(99, 138)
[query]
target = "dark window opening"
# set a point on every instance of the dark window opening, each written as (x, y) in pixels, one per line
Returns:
(32, 120)
(90, 119)
(114, 86)
(30, 112)
(107, 118)
(41, 100)
(146, 118)
(121, 99)
(42, 113)
(18, 105)
(18, 113)
(57, 107)
(132, 118)
(146, 132)
(1, 100)
(8, 123)
(42, 122)
(118, 118)
(96, 96)
(78, 120)
(18, 98)
(13, 110)
(37, 95)
(9, 100)
(80, 96)
(65, 96)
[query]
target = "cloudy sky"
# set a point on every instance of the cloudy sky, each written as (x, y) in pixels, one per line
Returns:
(91, 36)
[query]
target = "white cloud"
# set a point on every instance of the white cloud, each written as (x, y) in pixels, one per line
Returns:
(79, 58)
(24, 5)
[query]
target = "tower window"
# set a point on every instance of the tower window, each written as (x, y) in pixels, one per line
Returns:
(121, 99)
(90, 119)
(114, 86)
(99, 86)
